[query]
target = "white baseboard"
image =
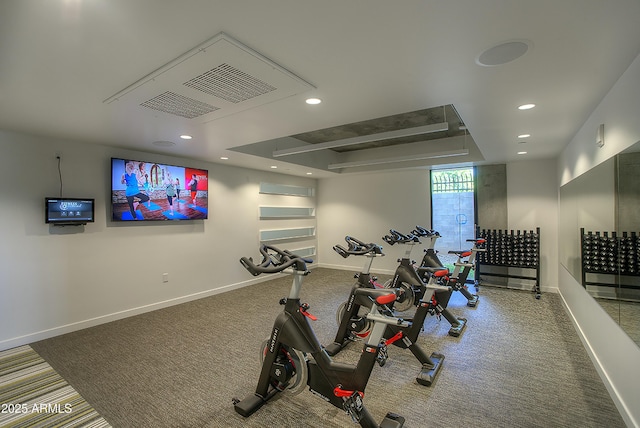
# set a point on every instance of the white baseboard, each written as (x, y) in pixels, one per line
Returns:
(615, 396)
(92, 322)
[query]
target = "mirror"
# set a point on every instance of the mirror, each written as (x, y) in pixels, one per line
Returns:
(599, 235)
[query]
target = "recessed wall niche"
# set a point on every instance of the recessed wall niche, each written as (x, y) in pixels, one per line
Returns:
(287, 217)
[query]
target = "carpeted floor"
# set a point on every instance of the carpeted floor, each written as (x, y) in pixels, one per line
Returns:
(519, 363)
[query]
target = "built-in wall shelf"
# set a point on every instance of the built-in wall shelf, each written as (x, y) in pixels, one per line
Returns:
(282, 219)
(304, 252)
(286, 212)
(272, 235)
(285, 189)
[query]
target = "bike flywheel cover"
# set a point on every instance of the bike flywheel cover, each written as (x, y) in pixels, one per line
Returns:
(298, 361)
(406, 298)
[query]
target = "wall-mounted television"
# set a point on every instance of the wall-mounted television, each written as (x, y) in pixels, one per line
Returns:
(69, 211)
(150, 191)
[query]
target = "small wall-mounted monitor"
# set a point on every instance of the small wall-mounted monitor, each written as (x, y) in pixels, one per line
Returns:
(69, 211)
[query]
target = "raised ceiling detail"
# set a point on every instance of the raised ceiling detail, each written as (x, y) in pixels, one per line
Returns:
(397, 122)
(420, 138)
(362, 140)
(215, 79)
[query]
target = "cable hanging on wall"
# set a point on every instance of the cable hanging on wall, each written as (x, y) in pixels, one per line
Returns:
(59, 158)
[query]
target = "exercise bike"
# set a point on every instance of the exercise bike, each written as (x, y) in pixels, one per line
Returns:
(353, 322)
(430, 257)
(458, 278)
(293, 358)
(413, 287)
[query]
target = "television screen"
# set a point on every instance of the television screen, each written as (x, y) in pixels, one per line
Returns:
(148, 191)
(69, 210)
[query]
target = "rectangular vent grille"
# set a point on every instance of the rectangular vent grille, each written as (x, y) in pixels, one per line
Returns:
(179, 105)
(230, 84)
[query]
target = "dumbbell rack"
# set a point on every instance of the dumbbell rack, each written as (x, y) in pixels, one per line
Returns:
(607, 253)
(511, 249)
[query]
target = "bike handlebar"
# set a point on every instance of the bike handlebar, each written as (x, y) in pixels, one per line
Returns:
(396, 237)
(278, 259)
(357, 248)
(421, 231)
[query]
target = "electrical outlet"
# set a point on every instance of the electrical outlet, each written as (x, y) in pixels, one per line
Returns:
(165, 277)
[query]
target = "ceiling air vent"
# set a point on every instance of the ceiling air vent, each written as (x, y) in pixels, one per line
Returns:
(217, 78)
(179, 105)
(230, 84)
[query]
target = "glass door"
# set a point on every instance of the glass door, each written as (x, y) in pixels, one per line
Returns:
(453, 210)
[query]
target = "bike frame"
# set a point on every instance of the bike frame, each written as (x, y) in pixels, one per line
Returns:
(402, 337)
(340, 384)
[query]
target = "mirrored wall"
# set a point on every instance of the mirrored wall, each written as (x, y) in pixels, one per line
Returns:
(599, 235)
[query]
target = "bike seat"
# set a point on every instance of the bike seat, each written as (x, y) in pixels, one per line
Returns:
(432, 269)
(461, 253)
(477, 240)
(374, 293)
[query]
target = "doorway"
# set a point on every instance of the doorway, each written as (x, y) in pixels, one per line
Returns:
(453, 209)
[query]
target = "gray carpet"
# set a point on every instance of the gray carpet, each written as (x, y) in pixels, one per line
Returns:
(518, 364)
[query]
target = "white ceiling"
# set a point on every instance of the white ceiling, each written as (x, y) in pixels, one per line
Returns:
(61, 59)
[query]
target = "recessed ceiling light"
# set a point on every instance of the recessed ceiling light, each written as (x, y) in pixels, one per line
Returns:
(309, 173)
(522, 153)
(313, 101)
(224, 158)
(524, 135)
(186, 137)
(526, 106)
(273, 167)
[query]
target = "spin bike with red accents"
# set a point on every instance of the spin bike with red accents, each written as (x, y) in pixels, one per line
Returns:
(457, 279)
(413, 287)
(293, 358)
(353, 323)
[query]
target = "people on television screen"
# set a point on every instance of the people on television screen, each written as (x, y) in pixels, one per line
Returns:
(144, 179)
(193, 187)
(131, 178)
(170, 189)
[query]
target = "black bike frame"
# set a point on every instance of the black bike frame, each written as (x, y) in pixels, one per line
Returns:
(402, 337)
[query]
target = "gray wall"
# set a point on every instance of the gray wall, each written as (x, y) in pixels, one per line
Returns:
(54, 280)
(492, 197)
(368, 205)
